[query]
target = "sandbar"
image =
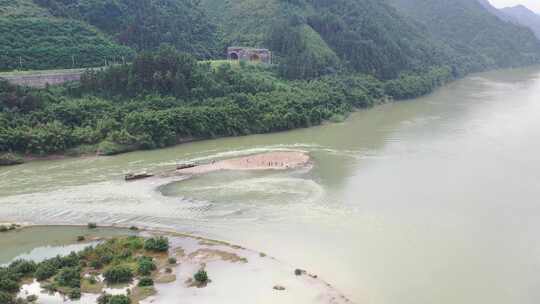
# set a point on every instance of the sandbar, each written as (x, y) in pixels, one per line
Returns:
(281, 160)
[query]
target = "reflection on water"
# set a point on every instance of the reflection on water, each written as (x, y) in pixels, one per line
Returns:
(433, 200)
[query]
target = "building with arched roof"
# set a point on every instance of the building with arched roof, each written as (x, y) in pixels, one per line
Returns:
(249, 54)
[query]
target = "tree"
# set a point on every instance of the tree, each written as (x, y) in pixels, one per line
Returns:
(118, 274)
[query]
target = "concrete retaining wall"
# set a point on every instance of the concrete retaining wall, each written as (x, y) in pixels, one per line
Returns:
(41, 79)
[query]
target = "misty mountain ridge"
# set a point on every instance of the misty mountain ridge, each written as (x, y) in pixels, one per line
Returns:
(518, 14)
(524, 16)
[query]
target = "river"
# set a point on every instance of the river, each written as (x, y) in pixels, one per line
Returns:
(432, 200)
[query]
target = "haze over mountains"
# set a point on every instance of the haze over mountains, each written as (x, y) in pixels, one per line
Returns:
(518, 14)
(524, 16)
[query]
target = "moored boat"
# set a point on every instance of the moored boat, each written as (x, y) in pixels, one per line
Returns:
(185, 166)
(135, 176)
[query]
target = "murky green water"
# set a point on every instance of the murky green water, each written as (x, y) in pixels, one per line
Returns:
(434, 200)
(39, 243)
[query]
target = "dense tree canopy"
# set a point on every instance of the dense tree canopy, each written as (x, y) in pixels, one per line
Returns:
(166, 97)
(478, 39)
(331, 56)
(145, 24)
(49, 43)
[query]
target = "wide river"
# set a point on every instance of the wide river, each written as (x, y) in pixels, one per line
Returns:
(432, 200)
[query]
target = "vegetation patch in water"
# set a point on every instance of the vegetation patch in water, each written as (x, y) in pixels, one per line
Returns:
(119, 260)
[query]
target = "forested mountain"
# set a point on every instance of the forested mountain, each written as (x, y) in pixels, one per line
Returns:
(519, 15)
(332, 56)
(309, 38)
(481, 39)
(46, 34)
(495, 11)
(524, 16)
(145, 24)
(31, 36)
(315, 37)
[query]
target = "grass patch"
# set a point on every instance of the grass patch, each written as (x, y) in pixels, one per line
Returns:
(109, 148)
(91, 286)
(82, 150)
(140, 293)
(337, 118)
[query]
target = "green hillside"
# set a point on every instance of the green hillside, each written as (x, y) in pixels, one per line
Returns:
(309, 38)
(377, 37)
(34, 39)
(21, 8)
(332, 56)
(317, 37)
(481, 39)
(145, 24)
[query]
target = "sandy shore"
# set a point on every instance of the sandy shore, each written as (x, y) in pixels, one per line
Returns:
(267, 161)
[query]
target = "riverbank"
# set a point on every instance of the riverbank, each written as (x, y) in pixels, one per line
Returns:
(155, 117)
(236, 274)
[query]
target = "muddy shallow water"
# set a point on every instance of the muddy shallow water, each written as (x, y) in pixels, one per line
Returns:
(236, 274)
(433, 200)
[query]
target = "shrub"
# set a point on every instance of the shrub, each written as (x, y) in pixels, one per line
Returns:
(92, 280)
(119, 299)
(125, 253)
(80, 238)
(6, 298)
(109, 299)
(45, 270)
(336, 118)
(104, 299)
(9, 285)
(134, 228)
(118, 274)
(3, 228)
(75, 293)
(145, 266)
(159, 244)
(69, 277)
(96, 264)
(92, 225)
(133, 242)
(106, 259)
(201, 276)
(8, 159)
(145, 282)
(107, 148)
(50, 287)
(22, 267)
(71, 260)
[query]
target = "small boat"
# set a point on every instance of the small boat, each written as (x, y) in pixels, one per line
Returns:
(135, 176)
(185, 166)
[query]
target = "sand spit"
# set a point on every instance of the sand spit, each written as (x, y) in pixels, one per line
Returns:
(237, 275)
(282, 160)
